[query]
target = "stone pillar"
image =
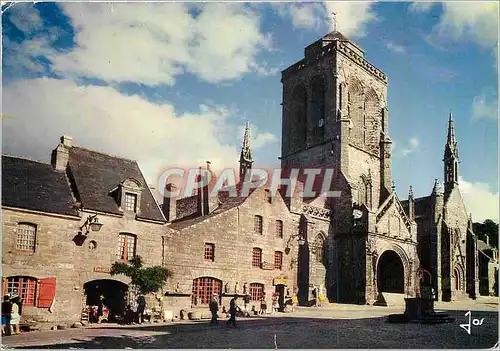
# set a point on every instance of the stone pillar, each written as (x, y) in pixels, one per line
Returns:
(344, 129)
(371, 285)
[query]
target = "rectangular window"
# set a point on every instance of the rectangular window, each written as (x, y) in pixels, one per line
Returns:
(268, 196)
(279, 229)
(256, 257)
(126, 246)
(130, 202)
(24, 287)
(204, 289)
(26, 235)
(278, 260)
(256, 291)
(258, 224)
(209, 252)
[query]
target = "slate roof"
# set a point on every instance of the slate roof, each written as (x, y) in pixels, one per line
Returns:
(226, 204)
(33, 185)
(335, 35)
(96, 174)
(481, 245)
(422, 206)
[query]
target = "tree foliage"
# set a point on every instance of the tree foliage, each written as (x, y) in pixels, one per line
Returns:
(145, 279)
(487, 228)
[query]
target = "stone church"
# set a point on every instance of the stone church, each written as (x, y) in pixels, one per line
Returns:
(335, 114)
(365, 246)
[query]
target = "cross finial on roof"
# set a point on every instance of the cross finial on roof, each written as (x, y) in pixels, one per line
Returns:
(334, 18)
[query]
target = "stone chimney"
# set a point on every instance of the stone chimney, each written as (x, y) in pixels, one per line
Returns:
(203, 201)
(169, 206)
(60, 155)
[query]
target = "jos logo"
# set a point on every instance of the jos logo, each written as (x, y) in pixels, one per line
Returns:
(474, 321)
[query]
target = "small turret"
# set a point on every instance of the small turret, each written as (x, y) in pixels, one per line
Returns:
(437, 199)
(437, 190)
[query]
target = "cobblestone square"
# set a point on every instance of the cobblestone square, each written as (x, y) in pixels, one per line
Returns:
(338, 326)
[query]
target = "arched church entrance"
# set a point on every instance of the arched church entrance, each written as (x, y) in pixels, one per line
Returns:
(111, 293)
(390, 273)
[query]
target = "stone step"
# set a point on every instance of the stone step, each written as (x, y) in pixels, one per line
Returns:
(390, 299)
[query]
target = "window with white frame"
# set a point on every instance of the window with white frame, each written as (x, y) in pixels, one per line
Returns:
(130, 202)
(26, 237)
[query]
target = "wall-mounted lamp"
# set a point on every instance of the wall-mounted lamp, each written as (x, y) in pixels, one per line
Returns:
(300, 236)
(91, 224)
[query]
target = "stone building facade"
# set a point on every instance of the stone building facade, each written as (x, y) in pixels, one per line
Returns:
(51, 255)
(447, 244)
(335, 117)
(359, 247)
(243, 245)
(488, 268)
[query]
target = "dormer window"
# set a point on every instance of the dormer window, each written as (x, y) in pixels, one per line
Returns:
(130, 202)
(129, 196)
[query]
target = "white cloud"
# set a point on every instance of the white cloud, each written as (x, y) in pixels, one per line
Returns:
(420, 6)
(477, 21)
(479, 200)
(17, 59)
(396, 48)
(412, 146)
(304, 15)
(102, 119)
(258, 138)
(152, 43)
(25, 17)
(485, 105)
(414, 142)
(461, 21)
(351, 17)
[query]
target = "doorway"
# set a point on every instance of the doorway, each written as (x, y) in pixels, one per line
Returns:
(280, 290)
(114, 295)
(390, 273)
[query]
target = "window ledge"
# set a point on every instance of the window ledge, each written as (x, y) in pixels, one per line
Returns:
(24, 252)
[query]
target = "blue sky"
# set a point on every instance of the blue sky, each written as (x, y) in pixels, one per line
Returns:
(169, 84)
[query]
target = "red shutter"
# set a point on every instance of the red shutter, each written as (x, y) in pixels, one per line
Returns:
(4, 286)
(46, 292)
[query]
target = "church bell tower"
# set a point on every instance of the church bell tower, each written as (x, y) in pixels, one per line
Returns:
(335, 116)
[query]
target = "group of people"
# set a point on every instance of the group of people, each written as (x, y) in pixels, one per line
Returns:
(96, 313)
(11, 315)
(233, 309)
(136, 312)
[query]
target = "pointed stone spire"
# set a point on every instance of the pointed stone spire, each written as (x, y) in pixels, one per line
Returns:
(451, 130)
(450, 158)
(410, 193)
(246, 151)
(246, 154)
(450, 140)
